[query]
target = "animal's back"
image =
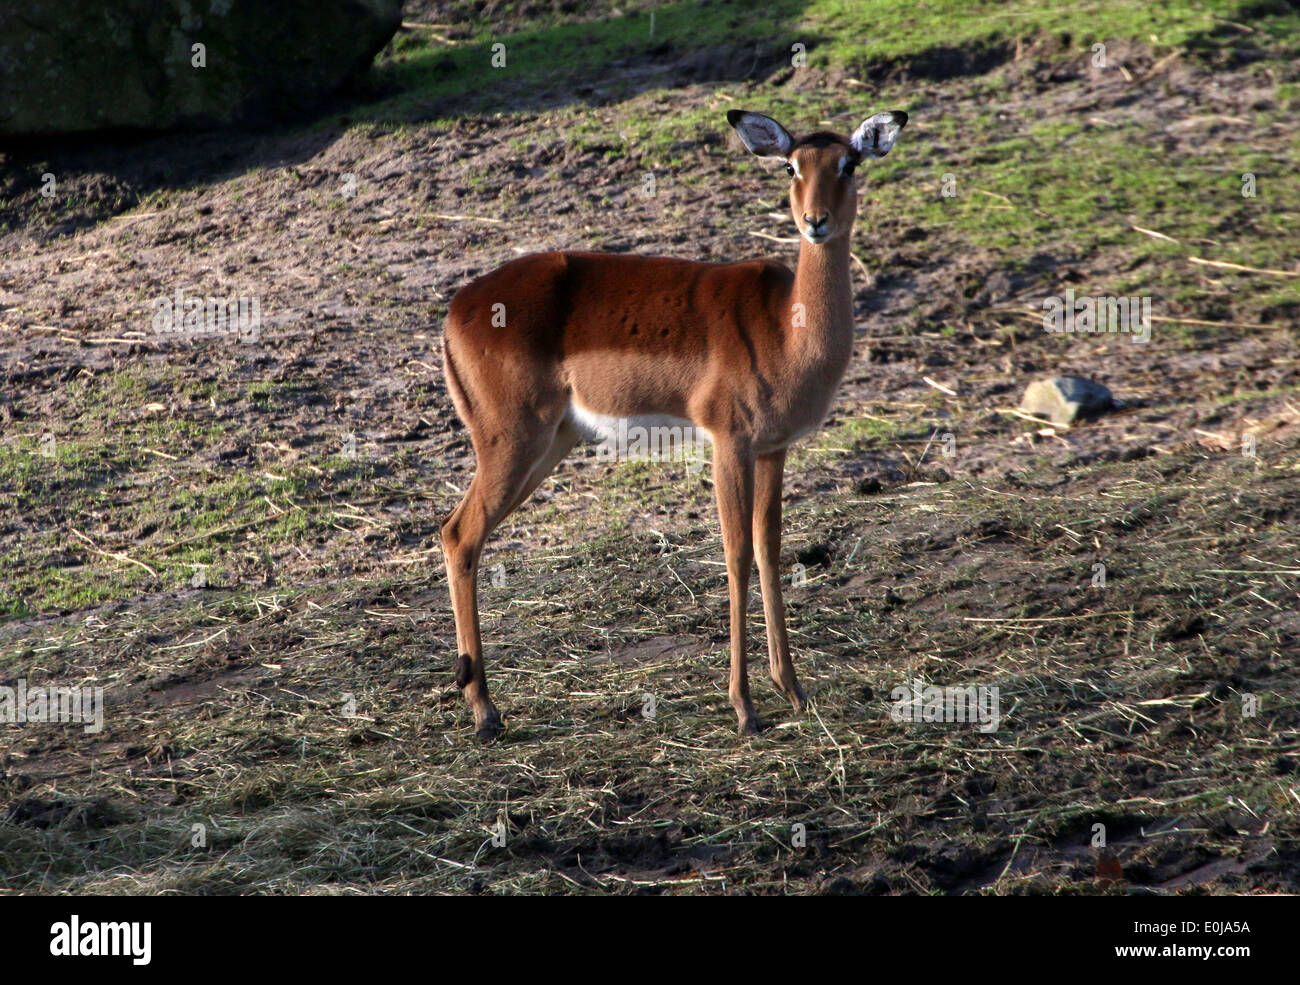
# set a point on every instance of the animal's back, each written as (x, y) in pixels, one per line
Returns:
(602, 301)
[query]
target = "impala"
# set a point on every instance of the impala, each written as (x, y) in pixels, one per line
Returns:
(554, 347)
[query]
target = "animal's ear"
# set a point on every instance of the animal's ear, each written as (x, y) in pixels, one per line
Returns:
(761, 134)
(878, 133)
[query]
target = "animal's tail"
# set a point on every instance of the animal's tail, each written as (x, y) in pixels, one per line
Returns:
(455, 386)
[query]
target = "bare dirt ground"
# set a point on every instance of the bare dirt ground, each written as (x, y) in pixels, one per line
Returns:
(1123, 704)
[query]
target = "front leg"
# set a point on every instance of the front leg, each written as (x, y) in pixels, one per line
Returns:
(733, 478)
(769, 471)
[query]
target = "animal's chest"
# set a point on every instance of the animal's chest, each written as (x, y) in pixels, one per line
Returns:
(789, 428)
(802, 406)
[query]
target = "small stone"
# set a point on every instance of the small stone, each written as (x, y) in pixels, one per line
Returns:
(1065, 399)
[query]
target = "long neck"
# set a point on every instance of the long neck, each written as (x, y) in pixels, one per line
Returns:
(822, 286)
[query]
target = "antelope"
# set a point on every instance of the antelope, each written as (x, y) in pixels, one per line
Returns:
(552, 348)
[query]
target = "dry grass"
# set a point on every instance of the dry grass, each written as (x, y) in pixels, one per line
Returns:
(1121, 705)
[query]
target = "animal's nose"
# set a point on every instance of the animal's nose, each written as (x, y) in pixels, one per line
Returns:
(816, 219)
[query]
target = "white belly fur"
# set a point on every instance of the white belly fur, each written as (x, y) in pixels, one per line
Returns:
(611, 429)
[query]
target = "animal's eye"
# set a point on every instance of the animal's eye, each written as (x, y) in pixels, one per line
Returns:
(848, 169)
(789, 169)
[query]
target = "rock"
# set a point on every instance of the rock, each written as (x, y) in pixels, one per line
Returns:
(1065, 399)
(73, 66)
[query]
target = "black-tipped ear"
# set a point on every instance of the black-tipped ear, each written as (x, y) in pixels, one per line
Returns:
(878, 133)
(761, 134)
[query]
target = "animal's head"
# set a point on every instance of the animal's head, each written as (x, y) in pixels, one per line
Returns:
(821, 165)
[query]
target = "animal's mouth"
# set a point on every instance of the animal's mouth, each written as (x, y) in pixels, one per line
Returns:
(816, 236)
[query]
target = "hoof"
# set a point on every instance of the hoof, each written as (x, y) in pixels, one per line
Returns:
(490, 728)
(799, 700)
(750, 725)
(795, 695)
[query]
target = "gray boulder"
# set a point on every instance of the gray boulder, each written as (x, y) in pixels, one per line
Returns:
(69, 66)
(1065, 399)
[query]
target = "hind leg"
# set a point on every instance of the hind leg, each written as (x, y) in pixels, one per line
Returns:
(507, 472)
(566, 436)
